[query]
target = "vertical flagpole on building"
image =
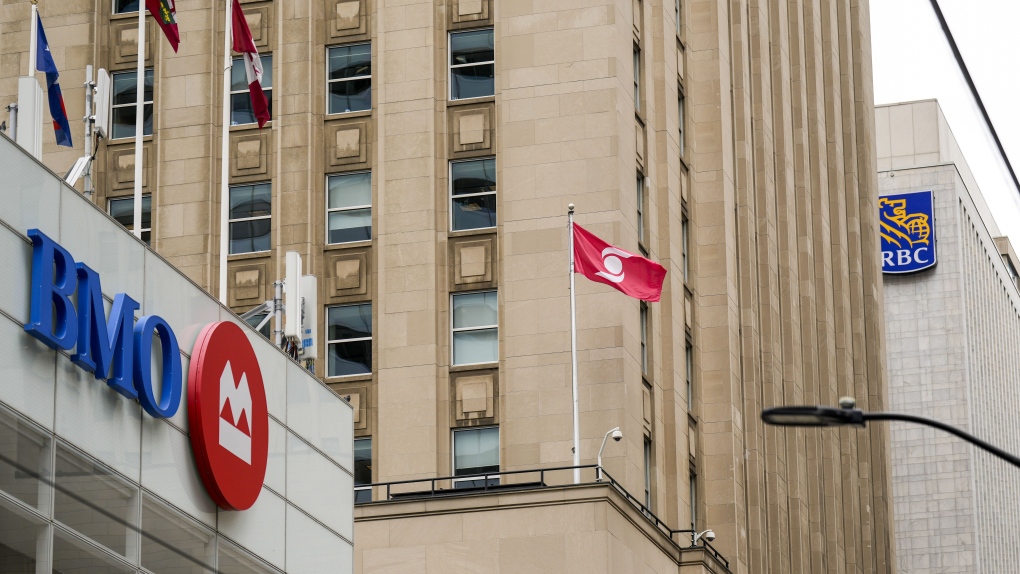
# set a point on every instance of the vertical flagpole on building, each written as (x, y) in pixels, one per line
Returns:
(225, 155)
(139, 121)
(573, 347)
(33, 46)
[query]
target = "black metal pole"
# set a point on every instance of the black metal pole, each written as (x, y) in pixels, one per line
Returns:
(947, 428)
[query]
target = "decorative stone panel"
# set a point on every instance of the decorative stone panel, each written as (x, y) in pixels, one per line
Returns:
(475, 397)
(471, 129)
(359, 395)
(469, 13)
(249, 155)
(346, 19)
(120, 174)
(348, 144)
(124, 42)
(347, 274)
(260, 21)
(246, 283)
(473, 262)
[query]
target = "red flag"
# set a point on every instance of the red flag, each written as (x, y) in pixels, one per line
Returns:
(165, 14)
(244, 44)
(629, 273)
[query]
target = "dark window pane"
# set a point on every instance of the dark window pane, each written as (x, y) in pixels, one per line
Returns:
(350, 61)
(350, 225)
(123, 120)
(354, 190)
(472, 81)
(475, 309)
(251, 201)
(480, 346)
(122, 6)
(476, 451)
(474, 212)
(475, 176)
(125, 89)
(94, 501)
(123, 210)
(353, 358)
(362, 461)
(349, 322)
(479, 483)
(471, 47)
(350, 96)
(173, 544)
(250, 236)
(239, 76)
(241, 111)
(364, 495)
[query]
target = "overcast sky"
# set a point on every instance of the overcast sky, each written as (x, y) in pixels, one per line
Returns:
(912, 61)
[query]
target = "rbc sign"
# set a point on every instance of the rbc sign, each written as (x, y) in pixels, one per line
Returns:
(117, 350)
(907, 226)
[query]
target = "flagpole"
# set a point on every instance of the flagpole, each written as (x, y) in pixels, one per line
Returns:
(139, 121)
(225, 155)
(33, 45)
(573, 347)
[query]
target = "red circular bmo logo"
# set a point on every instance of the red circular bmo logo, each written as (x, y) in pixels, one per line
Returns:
(227, 415)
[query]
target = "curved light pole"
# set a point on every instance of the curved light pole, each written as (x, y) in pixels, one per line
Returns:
(849, 415)
(617, 435)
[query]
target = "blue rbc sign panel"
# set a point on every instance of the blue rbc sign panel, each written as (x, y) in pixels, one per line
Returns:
(907, 226)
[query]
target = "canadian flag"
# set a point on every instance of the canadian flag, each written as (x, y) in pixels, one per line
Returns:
(629, 273)
(244, 44)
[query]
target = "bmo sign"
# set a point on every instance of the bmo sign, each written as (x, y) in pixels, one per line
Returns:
(227, 413)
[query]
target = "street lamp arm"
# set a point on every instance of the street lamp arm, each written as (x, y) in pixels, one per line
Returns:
(1015, 461)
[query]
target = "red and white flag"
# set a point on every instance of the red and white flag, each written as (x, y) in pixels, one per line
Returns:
(629, 273)
(244, 44)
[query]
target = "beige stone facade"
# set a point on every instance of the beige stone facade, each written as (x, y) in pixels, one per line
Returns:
(751, 125)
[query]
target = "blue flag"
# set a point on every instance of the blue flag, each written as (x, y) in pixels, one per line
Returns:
(44, 63)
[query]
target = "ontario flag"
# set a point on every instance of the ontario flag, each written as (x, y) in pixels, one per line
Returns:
(44, 63)
(165, 14)
(244, 44)
(627, 272)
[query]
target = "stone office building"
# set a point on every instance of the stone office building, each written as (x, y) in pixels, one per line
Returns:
(421, 156)
(953, 332)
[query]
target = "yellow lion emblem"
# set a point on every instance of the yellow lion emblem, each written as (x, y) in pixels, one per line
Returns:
(900, 228)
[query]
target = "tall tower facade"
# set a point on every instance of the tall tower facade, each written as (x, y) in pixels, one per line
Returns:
(421, 156)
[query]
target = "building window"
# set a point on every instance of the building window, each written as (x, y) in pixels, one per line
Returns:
(645, 324)
(648, 473)
(241, 111)
(685, 232)
(475, 328)
(349, 207)
(473, 194)
(125, 6)
(259, 323)
(362, 469)
(677, 7)
(637, 78)
(476, 452)
(680, 123)
(472, 64)
(349, 78)
(123, 210)
(640, 191)
(349, 340)
(694, 501)
(689, 358)
(250, 218)
(124, 98)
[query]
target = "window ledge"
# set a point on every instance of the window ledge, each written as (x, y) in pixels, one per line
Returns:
(465, 101)
(474, 367)
(470, 232)
(244, 256)
(251, 126)
(349, 245)
(127, 141)
(346, 115)
(348, 379)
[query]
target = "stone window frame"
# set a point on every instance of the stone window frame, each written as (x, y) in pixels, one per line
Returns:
(454, 330)
(479, 194)
(450, 65)
(329, 82)
(495, 478)
(150, 77)
(268, 91)
(331, 342)
(146, 231)
(231, 220)
(638, 108)
(330, 210)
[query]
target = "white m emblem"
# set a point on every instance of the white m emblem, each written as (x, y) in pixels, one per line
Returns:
(235, 435)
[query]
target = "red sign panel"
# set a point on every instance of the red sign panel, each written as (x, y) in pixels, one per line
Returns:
(228, 417)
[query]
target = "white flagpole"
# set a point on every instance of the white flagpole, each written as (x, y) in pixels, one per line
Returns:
(33, 46)
(573, 347)
(225, 155)
(139, 120)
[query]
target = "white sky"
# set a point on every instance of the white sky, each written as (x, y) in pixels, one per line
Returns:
(912, 61)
